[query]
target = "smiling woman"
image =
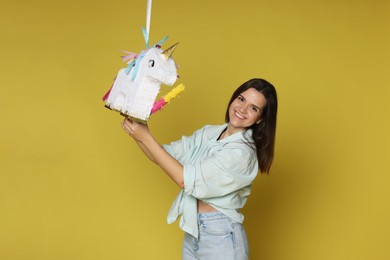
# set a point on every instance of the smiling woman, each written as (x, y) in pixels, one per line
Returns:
(215, 168)
(262, 93)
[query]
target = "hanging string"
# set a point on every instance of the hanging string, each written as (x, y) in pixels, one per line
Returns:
(148, 15)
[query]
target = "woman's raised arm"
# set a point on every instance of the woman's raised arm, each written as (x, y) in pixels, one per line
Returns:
(154, 151)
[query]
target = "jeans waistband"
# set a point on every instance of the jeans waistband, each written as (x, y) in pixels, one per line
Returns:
(211, 215)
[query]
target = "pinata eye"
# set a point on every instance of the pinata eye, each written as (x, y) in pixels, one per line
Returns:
(151, 63)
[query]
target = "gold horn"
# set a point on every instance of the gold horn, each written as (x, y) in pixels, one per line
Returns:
(168, 52)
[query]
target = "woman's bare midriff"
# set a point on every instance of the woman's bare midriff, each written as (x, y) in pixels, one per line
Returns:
(204, 207)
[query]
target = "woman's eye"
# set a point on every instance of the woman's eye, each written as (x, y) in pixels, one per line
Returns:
(151, 63)
(255, 109)
(240, 98)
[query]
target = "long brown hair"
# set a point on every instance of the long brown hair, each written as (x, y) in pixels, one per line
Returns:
(263, 133)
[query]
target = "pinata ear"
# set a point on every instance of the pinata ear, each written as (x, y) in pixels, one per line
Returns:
(168, 52)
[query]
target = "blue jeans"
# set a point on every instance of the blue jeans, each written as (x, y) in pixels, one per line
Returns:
(220, 237)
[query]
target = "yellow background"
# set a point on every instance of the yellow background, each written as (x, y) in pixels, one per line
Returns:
(74, 186)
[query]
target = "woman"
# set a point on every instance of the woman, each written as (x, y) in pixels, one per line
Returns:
(215, 168)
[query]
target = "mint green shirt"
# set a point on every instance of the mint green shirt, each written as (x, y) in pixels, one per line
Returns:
(218, 172)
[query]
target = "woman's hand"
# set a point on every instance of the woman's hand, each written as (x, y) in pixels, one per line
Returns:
(136, 130)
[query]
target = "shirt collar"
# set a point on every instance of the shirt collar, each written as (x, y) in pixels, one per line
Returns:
(242, 135)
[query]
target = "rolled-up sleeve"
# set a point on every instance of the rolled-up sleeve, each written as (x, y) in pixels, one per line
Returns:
(224, 171)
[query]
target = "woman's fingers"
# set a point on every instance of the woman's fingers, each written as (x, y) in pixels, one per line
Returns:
(127, 126)
(135, 129)
(127, 121)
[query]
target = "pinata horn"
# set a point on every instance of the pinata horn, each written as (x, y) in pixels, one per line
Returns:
(168, 52)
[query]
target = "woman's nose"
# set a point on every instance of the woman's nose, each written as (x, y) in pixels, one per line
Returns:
(243, 109)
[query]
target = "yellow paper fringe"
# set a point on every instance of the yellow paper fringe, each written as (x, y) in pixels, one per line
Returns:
(174, 92)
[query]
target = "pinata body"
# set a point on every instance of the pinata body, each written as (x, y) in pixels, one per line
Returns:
(136, 87)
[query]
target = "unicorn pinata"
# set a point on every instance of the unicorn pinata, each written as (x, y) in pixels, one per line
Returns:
(135, 87)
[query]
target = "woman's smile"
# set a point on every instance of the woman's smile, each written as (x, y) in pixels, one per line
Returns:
(238, 115)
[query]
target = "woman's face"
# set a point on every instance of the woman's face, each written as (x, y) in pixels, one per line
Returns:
(246, 110)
